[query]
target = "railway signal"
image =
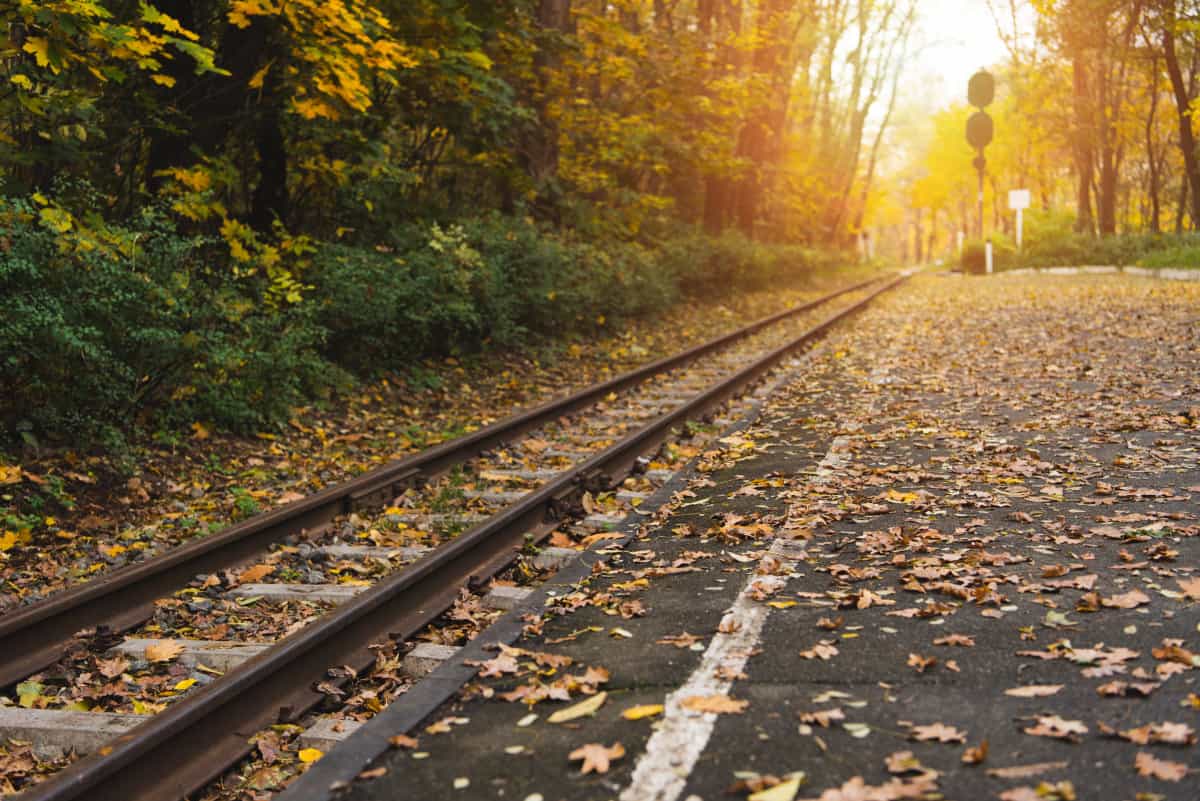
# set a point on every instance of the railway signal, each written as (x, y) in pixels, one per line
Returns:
(981, 91)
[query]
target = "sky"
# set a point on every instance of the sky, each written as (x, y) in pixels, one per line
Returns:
(957, 37)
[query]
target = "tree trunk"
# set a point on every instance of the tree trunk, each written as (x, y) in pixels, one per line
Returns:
(1084, 165)
(1187, 139)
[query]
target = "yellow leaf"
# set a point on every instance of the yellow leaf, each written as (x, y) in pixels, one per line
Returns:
(718, 704)
(22, 81)
(781, 604)
(163, 80)
(39, 46)
(310, 755)
(185, 684)
(784, 791)
(10, 474)
(643, 711)
(584, 708)
(256, 80)
(199, 431)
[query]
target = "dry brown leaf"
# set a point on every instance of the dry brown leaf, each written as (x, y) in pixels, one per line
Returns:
(1034, 690)
(596, 757)
(938, 731)
(975, 755)
(163, 650)
(402, 741)
(718, 704)
(822, 650)
(256, 573)
(1127, 600)
(1149, 765)
(1058, 728)
(111, 668)
(1025, 771)
(1190, 587)
(921, 663)
(960, 640)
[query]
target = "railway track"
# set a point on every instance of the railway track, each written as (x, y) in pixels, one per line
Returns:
(457, 516)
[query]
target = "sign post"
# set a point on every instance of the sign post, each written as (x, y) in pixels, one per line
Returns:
(1018, 201)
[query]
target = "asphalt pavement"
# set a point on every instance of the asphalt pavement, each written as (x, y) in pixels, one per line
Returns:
(957, 557)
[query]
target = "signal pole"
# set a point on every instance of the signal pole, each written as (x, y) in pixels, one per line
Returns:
(981, 91)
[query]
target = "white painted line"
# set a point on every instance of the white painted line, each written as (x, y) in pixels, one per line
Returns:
(662, 770)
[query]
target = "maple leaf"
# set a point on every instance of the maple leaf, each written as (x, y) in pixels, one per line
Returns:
(822, 717)
(717, 704)
(822, 650)
(921, 663)
(960, 640)
(938, 731)
(1190, 587)
(163, 650)
(1127, 600)
(1148, 765)
(596, 757)
(111, 668)
(256, 573)
(1058, 728)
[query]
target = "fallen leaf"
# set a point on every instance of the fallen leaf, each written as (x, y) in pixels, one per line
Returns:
(310, 755)
(975, 755)
(596, 757)
(784, 791)
(256, 573)
(1149, 765)
(1034, 690)
(1025, 771)
(1127, 600)
(584, 708)
(938, 731)
(163, 651)
(643, 711)
(822, 650)
(718, 704)
(1190, 587)
(402, 741)
(1058, 728)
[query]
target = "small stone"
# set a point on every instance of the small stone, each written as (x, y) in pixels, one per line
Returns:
(314, 577)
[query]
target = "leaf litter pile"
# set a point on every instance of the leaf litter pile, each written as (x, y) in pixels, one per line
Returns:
(990, 488)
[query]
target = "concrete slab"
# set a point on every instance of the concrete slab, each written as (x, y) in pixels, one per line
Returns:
(363, 552)
(504, 597)
(328, 593)
(554, 558)
(326, 733)
(54, 733)
(426, 657)
(215, 654)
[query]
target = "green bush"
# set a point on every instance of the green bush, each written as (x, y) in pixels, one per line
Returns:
(110, 326)
(103, 322)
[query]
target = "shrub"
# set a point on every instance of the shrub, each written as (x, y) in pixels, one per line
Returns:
(102, 322)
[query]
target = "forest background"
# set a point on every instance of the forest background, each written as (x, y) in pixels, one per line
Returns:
(218, 209)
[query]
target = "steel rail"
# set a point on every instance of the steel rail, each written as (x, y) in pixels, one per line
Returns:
(183, 748)
(34, 637)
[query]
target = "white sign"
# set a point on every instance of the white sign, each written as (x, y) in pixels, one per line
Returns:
(1018, 199)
